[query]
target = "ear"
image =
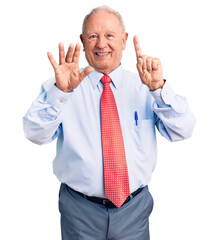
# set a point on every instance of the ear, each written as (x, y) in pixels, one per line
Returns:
(124, 40)
(82, 40)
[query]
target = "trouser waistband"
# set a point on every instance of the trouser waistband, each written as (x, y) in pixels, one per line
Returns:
(106, 202)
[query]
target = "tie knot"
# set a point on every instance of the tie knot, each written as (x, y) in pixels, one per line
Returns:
(105, 79)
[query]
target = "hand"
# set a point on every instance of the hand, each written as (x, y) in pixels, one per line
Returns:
(149, 68)
(67, 73)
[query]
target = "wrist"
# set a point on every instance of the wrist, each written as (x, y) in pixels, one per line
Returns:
(158, 85)
(63, 90)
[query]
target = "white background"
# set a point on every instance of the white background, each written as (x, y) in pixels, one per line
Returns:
(183, 34)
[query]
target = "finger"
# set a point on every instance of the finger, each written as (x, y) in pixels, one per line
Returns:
(69, 54)
(52, 60)
(139, 65)
(86, 72)
(76, 55)
(155, 63)
(137, 47)
(144, 65)
(149, 64)
(61, 53)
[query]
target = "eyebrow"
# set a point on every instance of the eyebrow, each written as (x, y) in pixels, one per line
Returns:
(94, 32)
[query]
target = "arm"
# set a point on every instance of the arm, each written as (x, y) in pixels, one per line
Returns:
(42, 123)
(173, 117)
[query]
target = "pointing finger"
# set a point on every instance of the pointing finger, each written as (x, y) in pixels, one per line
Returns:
(137, 47)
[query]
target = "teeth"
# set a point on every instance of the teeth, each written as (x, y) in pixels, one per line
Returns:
(101, 53)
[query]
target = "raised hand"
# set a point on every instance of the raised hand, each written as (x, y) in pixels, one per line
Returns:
(150, 70)
(67, 72)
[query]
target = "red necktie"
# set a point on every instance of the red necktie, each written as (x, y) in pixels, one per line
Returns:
(116, 180)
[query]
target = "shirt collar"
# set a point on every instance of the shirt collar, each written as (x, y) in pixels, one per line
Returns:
(116, 76)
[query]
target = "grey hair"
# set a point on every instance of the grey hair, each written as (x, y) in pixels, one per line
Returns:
(107, 9)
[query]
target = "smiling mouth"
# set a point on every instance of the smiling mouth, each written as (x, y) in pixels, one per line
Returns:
(102, 53)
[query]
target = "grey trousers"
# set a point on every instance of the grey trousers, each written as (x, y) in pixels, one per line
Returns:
(83, 219)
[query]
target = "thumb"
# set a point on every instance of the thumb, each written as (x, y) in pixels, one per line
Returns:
(86, 72)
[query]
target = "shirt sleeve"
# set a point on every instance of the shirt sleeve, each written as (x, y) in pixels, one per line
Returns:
(173, 117)
(42, 122)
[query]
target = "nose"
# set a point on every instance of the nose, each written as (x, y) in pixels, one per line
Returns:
(101, 42)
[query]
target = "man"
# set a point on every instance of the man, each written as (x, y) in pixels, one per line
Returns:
(105, 172)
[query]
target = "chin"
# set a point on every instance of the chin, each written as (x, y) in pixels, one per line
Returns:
(101, 68)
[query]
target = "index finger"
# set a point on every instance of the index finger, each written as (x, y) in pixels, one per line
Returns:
(137, 47)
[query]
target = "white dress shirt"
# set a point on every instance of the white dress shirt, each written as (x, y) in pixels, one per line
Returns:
(75, 119)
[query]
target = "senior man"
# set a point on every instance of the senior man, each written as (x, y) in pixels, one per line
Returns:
(105, 118)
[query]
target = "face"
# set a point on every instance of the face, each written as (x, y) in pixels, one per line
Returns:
(103, 41)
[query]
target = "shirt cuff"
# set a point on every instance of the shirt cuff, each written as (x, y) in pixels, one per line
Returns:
(57, 97)
(164, 96)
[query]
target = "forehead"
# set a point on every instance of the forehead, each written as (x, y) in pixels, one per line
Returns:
(102, 21)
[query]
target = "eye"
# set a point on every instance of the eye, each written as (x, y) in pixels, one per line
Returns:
(92, 36)
(110, 36)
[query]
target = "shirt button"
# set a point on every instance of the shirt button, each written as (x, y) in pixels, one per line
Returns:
(61, 100)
